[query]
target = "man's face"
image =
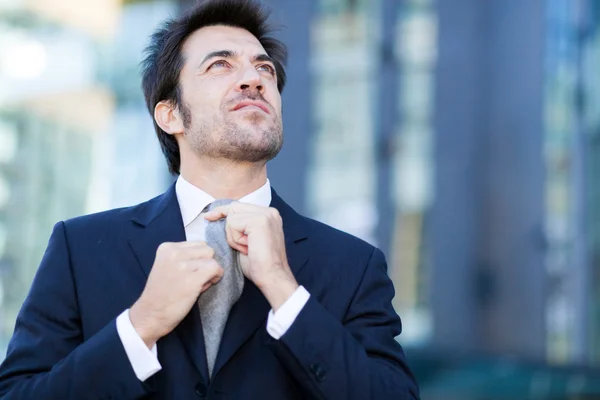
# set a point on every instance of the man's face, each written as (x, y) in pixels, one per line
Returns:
(230, 104)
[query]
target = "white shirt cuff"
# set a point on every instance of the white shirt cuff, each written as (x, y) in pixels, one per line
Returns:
(143, 360)
(279, 322)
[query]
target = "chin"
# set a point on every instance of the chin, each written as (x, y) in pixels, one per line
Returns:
(261, 137)
(255, 120)
(251, 152)
(262, 146)
(257, 129)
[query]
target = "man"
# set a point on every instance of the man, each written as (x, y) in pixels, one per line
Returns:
(185, 296)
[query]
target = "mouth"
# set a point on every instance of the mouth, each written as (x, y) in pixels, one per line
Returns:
(250, 104)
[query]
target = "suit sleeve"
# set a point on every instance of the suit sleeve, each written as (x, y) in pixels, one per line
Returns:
(357, 358)
(47, 357)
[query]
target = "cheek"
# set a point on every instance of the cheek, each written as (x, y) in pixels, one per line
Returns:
(206, 105)
(275, 100)
(208, 95)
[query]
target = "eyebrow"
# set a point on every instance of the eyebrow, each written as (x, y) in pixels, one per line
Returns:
(233, 54)
(263, 57)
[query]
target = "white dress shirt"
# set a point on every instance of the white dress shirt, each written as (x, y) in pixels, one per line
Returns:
(192, 202)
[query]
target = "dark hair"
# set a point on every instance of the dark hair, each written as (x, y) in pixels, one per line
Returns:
(164, 61)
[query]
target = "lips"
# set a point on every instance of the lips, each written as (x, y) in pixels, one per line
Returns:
(247, 103)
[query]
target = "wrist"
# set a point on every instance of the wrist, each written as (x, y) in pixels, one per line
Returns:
(277, 288)
(143, 325)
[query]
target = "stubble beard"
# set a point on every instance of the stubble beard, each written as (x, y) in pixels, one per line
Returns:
(226, 139)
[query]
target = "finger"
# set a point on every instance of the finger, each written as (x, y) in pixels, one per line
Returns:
(213, 281)
(242, 240)
(218, 213)
(242, 223)
(246, 224)
(234, 234)
(238, 227)
(214, 274)
(198, 265)
(210, 283)
(243, 249)
(205, 287)
(196, 252)
(231, 237)
(207, 269)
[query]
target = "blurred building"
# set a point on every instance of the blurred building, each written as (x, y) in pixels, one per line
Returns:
(75, 136)
(462, 137)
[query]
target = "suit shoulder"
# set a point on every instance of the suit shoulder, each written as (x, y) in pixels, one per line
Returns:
(105, 219)
(337, 239)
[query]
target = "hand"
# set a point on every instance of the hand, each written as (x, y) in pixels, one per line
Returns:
(257, 233)
(181, 271)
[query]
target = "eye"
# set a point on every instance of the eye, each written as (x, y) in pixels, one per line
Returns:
(267, 68)
(219, 64)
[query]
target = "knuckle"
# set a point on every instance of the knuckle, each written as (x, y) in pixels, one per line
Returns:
(210, 252)
(265, 220)
(164, 247)
(207, 263)
(215, 266)
(182, 265)
(274, 215)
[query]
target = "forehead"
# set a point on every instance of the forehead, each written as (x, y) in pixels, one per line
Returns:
(218, 37)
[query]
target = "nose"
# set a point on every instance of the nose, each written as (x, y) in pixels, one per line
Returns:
(250, 80)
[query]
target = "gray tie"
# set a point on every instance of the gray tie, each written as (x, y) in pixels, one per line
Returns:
(217, 300)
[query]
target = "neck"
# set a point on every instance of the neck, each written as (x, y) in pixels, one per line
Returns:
(224, 179)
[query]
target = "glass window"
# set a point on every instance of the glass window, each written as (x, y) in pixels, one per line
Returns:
(341, 175)
(413, 165)
(572, 201)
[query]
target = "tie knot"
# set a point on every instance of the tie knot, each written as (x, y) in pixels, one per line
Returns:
(218, 203)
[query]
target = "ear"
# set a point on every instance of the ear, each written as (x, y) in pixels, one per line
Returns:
(168, 117)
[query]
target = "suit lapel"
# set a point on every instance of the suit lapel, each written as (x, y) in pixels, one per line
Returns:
(251, 310)
(160, 221)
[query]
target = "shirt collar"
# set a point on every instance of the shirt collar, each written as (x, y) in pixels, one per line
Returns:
(193, 200)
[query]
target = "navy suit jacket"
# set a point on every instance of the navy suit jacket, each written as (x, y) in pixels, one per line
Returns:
(341, 346)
